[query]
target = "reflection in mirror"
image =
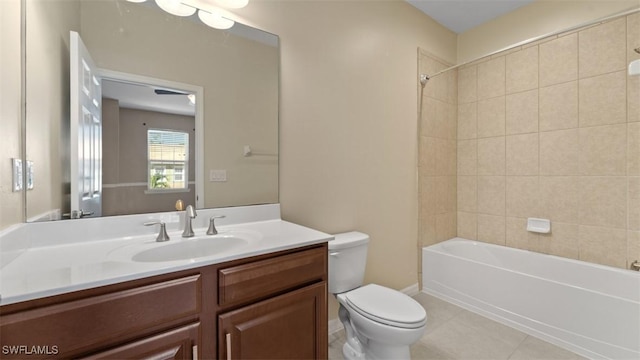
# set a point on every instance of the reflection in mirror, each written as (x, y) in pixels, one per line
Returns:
(237, 70)
(163, 165)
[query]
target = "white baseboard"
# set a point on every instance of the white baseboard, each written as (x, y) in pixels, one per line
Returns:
(335, 325)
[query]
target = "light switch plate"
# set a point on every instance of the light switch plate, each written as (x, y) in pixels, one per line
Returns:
(217, 175)
(16, 171)
(29, 175)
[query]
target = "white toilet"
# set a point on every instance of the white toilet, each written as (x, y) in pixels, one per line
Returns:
(380, 323)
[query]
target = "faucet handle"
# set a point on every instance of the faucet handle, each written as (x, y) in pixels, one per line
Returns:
(162, 235)
(212, 226)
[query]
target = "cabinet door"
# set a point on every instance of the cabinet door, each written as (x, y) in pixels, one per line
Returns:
(181, 343)
(289, 326)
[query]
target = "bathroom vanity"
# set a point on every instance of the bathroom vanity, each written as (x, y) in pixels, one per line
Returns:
(267, 299)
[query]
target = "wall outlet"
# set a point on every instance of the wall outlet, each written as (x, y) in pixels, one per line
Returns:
(217, 175)
(16, 171)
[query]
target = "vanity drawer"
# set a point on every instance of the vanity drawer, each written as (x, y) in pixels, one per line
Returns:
(259, 279)
(77, 326)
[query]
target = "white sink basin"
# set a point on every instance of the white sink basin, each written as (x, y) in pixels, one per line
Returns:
(181, 249)
(191, 249)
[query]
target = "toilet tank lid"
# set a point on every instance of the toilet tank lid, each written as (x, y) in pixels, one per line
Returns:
(347, 240)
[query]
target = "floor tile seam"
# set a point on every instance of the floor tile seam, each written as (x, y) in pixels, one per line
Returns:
(518, 347)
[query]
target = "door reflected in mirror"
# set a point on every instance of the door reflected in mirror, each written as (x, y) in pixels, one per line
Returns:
(236, 70)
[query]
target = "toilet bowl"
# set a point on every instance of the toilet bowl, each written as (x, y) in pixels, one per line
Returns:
(379, 322)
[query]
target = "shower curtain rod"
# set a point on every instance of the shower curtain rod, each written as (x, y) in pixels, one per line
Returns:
(424, 78)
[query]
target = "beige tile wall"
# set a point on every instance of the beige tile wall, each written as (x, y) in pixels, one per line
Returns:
(438, 148)
(548, 130)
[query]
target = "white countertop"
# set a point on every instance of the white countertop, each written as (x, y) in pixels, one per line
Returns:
(42, 271)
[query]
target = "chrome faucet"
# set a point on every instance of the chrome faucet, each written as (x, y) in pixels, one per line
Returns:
(162, 235)
(189, 214)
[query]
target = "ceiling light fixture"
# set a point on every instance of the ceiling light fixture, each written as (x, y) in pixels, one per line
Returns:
(210, 15)
(215, 20)
(176, 7)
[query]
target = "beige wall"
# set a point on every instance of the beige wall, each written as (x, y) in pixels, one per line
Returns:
(539, 18)
(348, 120)
(437, 154)
(47, 87)
(11, 208)
(551, 130)
(124, 150)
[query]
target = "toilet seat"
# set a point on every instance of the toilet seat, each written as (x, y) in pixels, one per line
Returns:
(386, 306)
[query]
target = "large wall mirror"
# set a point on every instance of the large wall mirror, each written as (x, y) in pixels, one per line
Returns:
(185, 112)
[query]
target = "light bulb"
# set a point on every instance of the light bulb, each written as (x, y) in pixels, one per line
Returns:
(136, 1)
(215, 20)
(176, 7)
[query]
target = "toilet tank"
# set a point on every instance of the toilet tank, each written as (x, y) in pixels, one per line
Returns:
(347, 261)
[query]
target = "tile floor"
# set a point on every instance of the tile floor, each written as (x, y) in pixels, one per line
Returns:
(455, 333)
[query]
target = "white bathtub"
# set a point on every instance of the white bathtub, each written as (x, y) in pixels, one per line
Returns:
(590, 309)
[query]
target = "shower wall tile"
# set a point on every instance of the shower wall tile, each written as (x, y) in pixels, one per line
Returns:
(467, 157)
(446, 227)
(633, 36)
(559, 197)
(602, 49)
(427, 228)
(522, 154)
(559, 60)
(468, 193)
(603, 150)
(633, 99)
(603, 201)
(633, 247)
(517, 235)
(602, 99)
(559, 106)
(450, 126)
(491, 195)
(604, 246)
(491, 156)
(521, 115)
(491, 229)
(446, 157)
(633, 149)
(467, 121)
(467, 85)
(559, 152)
(445, 187)
(522, 70)
(428, 156)
(435, 116)
(634, 203)
(427, 193)
(523, 196)
(552, 129)
(467, 225)
(564, 240)
(491, 78)
(491, 117)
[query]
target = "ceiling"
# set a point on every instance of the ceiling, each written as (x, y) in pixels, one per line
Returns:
(462, 15)
(143, 97)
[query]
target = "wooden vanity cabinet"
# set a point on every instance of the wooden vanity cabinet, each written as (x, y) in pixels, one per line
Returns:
(265, 302)
(291, 320)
